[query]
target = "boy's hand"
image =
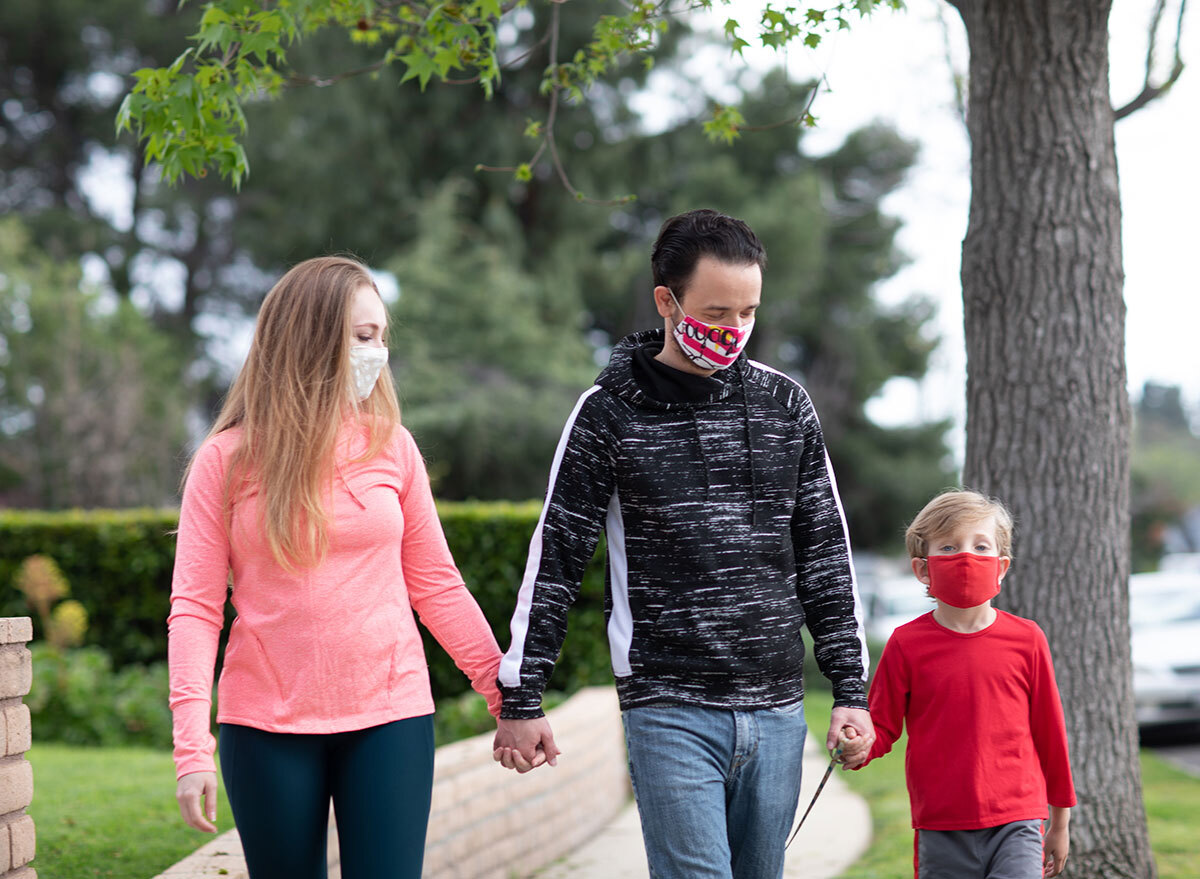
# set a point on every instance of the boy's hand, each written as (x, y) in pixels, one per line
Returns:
(842, 723)
(851, 745)
(1057, 842)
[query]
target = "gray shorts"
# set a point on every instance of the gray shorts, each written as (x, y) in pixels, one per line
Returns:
(1010, 851)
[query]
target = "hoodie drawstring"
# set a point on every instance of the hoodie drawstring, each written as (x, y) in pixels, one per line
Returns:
(750, 449)
(703, 457)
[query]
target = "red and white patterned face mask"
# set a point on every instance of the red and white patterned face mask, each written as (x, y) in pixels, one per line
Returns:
(964, 579)
(709, 346)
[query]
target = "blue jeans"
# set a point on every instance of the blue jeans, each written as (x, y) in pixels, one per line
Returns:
(716, 789)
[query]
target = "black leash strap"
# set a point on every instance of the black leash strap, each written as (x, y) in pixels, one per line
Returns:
(820, 787)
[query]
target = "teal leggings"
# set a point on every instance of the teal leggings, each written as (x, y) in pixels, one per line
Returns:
(380, 780)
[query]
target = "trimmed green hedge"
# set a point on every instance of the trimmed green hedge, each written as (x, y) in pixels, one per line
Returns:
(119, 566)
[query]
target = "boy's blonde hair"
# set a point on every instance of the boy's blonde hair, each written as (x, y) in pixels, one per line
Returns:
(951, 508)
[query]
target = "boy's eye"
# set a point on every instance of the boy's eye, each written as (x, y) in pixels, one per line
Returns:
(982, 547)
(949, 547)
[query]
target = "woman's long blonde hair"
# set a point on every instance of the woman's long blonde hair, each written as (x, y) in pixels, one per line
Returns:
(290, 399)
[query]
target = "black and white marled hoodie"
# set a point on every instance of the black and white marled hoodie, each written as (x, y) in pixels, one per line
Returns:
(724, 533)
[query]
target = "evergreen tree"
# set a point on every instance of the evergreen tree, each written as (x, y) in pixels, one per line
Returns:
(92, 397)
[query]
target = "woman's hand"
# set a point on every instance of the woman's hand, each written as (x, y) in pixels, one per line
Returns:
(197, 796)
(524, 744)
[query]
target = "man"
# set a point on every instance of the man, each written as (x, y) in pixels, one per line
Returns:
(725, 536)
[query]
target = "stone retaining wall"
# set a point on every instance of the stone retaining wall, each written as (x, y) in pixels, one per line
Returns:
(489, 823)
(16, 775)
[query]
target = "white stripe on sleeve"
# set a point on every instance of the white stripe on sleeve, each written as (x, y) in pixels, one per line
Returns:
(510, 665)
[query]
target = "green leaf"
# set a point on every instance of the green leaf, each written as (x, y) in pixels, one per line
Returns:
(125, 114)
(419, 65)
(447, 59)
(724, 124)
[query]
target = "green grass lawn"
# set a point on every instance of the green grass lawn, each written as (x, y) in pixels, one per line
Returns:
(1172, 809)
(109, 812)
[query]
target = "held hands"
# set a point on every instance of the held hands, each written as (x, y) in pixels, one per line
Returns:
(524, 744)
(851, 729)
(197, 796)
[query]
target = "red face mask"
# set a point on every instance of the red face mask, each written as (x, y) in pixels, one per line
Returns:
(964, 579)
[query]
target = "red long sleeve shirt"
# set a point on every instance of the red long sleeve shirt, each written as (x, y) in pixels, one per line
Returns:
(986, 739)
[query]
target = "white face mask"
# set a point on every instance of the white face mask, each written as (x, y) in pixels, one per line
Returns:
(366, 362)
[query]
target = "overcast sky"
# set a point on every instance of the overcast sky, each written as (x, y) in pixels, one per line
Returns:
(894, 68)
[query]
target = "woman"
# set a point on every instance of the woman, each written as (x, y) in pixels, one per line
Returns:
(314, 498)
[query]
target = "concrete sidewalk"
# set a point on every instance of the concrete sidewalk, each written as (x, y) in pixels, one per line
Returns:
(835, 835)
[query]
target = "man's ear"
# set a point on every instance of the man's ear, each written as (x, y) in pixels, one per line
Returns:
(920, 569)
(663, 302)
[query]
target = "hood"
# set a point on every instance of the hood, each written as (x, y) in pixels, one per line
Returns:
(617, 378)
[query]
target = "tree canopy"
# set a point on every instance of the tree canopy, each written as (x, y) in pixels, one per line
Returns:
(190, 113)
(510, 291)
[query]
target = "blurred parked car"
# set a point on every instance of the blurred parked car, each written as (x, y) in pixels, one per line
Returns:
(1164, 616)
(893, 602)
(1180, 561)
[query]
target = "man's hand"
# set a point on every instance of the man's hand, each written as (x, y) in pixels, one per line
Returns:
(197, 796)
(524, 744)
(856, 746)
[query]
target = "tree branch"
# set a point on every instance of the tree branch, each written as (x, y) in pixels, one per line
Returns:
(791, 120)
(549, 142)
(300, 79)
(1150, 91)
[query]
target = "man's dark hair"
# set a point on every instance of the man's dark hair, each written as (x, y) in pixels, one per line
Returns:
(686, 237)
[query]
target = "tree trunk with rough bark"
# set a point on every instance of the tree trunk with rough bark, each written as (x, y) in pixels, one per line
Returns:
(1047, 404)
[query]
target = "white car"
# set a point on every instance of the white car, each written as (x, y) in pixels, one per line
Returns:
(1164, 616)
(893, 602)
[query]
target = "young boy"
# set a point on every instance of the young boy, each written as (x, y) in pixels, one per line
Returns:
(987, 748)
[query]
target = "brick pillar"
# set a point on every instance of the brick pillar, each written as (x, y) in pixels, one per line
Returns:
(16, 775)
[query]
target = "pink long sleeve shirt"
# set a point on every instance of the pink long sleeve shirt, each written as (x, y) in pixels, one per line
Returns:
(324, 649)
